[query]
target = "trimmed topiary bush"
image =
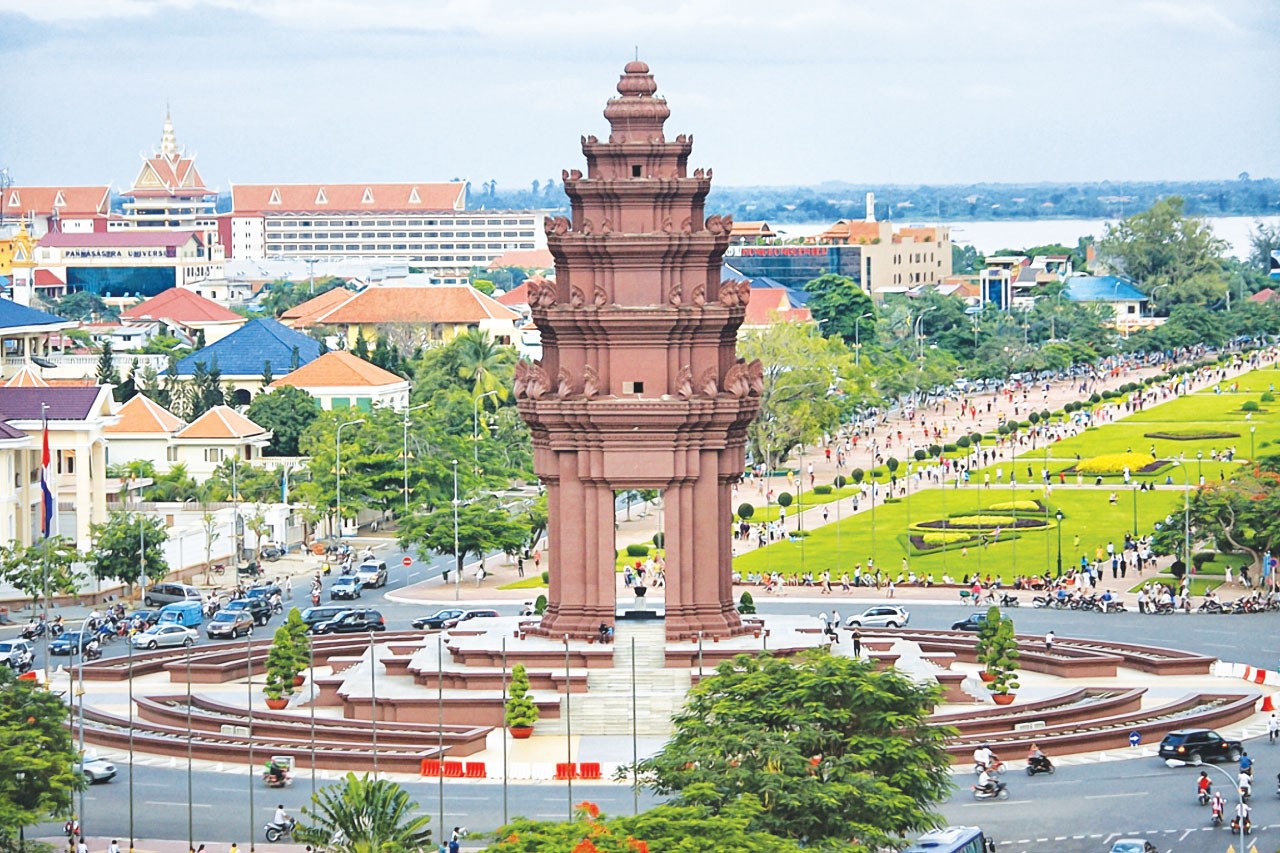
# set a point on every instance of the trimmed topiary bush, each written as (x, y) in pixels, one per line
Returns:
(963, 442)
(1268, 397)
(785, 499)
(659, 540)
(745, 511)
(1250, 406)
(949, 448)
(637, 549)
(746, 604)
(821, 489)
(920, 454)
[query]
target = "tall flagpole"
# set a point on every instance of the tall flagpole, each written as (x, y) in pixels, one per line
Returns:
(46, 505)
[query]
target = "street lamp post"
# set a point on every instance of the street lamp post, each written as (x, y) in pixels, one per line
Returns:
(406, 452)
(337, 466)
(1058, 515)
(1252, 430)
(475, 430)
(920, 337)
(457, 564)
(1199, 467)
(857, 338)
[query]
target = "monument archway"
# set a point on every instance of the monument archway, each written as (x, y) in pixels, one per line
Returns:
(639, 386)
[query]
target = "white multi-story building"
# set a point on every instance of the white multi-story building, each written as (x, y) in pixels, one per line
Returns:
(425, 225)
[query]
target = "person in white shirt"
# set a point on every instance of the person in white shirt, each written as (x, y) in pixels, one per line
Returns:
(282, 816)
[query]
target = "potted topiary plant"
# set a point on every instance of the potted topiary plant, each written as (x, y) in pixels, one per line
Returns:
(983, 645)
(521, 712)
(281, 668)
(301, 645)
(1002, 662)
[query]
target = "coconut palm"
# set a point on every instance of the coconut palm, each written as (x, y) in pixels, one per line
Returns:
(364, 815)
(481, 360)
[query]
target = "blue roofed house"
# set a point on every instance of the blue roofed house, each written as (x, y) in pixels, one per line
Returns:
(1126, 301)
(24, 335)
(242, 356)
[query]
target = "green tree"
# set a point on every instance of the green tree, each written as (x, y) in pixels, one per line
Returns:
(1162, 245)
(37, 776)
(204, 389)
(809, 381)
(481, 361)
(267, 376)
(84, 306)
(364, 815)
(287, 412)
(282, 664)
(1263, 240)
(1242, 514)
(692, 828)
(483, 526)
(835, 749)
(129, 547)
(107, 373)
(521, 711)
(361, 347)
(838, 304)
(52, 561)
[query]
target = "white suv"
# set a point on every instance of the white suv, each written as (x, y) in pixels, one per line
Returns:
(879, 617)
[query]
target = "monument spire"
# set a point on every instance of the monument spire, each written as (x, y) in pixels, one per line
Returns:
(639, 386)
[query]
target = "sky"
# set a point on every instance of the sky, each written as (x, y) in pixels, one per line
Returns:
(863, 91)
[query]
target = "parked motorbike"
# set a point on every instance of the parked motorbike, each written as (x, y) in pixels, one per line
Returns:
(275, 831)
(1007, 600)
(995, 791)
(1039, 764)
(1041, 601)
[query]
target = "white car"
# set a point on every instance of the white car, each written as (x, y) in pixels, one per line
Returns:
(96, 769)
(166, 635)
(879, 617)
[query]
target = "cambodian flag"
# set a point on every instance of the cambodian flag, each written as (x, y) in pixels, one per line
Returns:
(47, 518)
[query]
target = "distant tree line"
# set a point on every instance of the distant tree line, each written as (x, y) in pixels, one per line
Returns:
(1243, 196)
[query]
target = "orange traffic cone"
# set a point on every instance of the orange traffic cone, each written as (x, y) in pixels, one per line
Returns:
(1267, 705)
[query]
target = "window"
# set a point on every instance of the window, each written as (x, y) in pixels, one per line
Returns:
(214, 455)
(171, 454)
(340, 403)
(632, 387)
(635, 171)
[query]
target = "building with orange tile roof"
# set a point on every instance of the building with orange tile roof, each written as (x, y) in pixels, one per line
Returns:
(771, 305)
(751, 231)
(309, 313)
(143, 431)
(423, 224)
(536, 260)
(419, 315)
(185, 314)
(219, 434)
(343, 380)
(168, 194)
(45, 209)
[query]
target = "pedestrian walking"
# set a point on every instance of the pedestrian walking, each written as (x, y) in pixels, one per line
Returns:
(1048, 643)
(1273, 728)
(857, 643)
(288, 587)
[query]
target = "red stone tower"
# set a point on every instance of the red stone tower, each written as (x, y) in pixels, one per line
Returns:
(639, 386)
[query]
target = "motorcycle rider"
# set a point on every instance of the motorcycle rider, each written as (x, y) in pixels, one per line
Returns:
(1036, 757)
(1218, 804)
(92, 651)
(1246, 763)
(1242, 814)
(275, 772)
(986, 783)
(984, 758)
(1203, 787)
(281, 817)
(1245, 783)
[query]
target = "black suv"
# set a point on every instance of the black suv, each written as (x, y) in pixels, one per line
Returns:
(1195, 746)
(356, 621)
(258, 608)
(313, 616)
(438, 619)
(972, 622)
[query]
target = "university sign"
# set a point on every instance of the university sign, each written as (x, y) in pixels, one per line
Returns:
(113, 253)
(776, 251)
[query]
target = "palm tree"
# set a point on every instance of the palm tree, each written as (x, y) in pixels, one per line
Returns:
(364, 815)
(480, 360)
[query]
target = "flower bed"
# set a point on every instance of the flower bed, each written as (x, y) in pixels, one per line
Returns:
(1018, 506)
(980, 523)
(1190, 435)
(1113, 464)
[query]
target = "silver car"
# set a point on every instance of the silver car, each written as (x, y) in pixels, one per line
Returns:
(166, 635)
(96, 769)
(879, 617)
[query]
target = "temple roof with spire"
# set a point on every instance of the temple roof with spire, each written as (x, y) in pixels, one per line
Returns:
(169, 171)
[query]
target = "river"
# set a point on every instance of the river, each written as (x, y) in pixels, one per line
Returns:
(991, 236)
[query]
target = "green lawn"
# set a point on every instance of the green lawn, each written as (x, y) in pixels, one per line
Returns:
(1259, 380)
(1207, 406)
(1087, 514)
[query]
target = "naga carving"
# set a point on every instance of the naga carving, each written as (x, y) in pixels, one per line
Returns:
(590, 382)
(599, 296)
(521, 378)
(564, 383)
(686, 227)
(592, 140)
(557, 225)
(667, 227)
(542, 293)
(733, 293)
(575, 174)
(720, 225)
(699, 295)
(576, 297)
(755, 377)
(537, 383)
(677, 293)
(606, 227)
(708, 383)
(684, 383)
(736, 381)
(587, 227)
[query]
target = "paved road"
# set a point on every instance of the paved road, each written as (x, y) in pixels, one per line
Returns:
(1084, 808)
(220, 808)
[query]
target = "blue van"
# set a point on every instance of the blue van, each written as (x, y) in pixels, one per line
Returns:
(953, 839)
(189, 614)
